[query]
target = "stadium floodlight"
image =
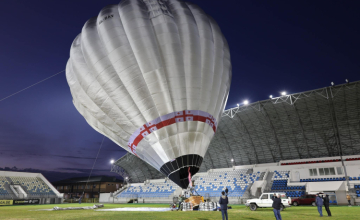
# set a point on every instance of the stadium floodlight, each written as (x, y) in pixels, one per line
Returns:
(246, 102)
(283, 93)
(332, 83)
(238, 105)
(271, 96)
(112, 161)
(126, 178)
(232, 160)
(346, 80)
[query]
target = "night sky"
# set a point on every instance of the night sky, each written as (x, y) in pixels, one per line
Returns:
(275, 46)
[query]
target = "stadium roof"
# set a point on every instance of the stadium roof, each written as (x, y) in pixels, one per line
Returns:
(319, 123)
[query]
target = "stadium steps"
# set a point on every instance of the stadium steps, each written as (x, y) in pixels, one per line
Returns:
(247, 193)
(9, 190)
(262, 176)
(120, 191)
(9, 180)
(269, 182)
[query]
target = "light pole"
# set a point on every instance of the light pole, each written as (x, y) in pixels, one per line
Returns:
(111, 162)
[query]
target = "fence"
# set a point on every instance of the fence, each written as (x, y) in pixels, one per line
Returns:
(84, 200)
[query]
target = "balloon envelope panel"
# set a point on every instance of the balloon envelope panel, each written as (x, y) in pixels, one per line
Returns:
(153, 76)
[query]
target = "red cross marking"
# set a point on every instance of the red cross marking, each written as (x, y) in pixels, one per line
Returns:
(183, 116)
(147, 129)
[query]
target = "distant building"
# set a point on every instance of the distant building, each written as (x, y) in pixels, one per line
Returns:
(74, 187)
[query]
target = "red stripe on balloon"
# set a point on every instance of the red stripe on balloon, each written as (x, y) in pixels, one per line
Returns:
(178, 117)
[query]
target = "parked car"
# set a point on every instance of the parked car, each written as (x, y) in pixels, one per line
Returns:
(304, 200)
(265, 201)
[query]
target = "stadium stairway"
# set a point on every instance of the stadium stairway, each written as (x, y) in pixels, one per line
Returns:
(268, 181)
(262, 176)
(122, 189)
(10, 192)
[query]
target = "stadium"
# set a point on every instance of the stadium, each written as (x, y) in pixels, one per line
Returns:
(302, 143)
(152, 78)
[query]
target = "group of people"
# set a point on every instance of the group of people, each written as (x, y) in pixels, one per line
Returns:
(320, 202)
(323, 201)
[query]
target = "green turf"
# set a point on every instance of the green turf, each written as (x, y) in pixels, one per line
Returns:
(238, 212)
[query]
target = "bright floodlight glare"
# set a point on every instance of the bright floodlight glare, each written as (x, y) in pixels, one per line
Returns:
(283, 93)
(238, 105)
(271, 96)
(126, 178)
(112, 161)
(232, 160)
(246, 102)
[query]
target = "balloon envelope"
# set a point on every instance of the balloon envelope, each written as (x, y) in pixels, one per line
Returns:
(154, 77)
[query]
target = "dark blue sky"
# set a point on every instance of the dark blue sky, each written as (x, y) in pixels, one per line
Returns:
(275, 46)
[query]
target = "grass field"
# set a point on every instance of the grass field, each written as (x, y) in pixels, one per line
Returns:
(238, 212)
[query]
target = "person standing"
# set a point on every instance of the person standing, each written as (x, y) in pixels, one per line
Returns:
(276, 206)
(319, 204)
(181, 199)
(326, 204)
(80, 198)
(348, 199)
(223, 205)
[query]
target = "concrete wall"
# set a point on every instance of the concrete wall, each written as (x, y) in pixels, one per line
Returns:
(105, 198)
(255, 186)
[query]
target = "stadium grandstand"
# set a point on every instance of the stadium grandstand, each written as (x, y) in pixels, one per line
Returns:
(300, 143)
(27, 186)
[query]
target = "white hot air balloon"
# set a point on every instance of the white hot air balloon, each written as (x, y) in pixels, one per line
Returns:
(154, 77)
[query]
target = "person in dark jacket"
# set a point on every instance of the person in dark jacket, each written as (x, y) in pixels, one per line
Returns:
(223, 205)
(319, 204)
(326, 204)
(81, 198)
(276, 206)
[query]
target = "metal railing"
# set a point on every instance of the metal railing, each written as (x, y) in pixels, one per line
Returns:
(84, 200)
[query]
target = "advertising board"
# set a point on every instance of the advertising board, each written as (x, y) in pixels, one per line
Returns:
(6, 202)
(26, 201)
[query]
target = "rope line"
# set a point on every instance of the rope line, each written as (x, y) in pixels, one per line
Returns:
(31, 86)
(94, 164)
